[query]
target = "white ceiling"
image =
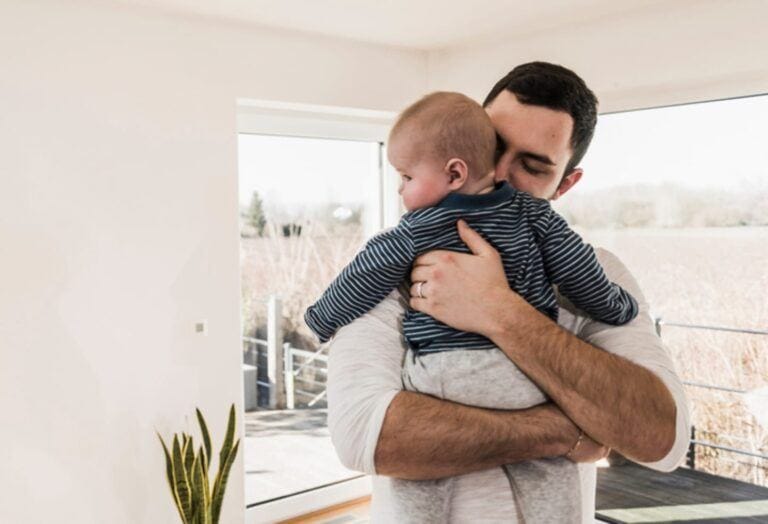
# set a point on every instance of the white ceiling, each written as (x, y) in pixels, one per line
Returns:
(420, 24)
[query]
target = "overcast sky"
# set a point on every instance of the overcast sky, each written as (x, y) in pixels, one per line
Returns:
(713, 145)
(306, 171)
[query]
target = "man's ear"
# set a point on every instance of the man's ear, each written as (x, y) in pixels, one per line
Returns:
(457, 172)
(568, 182)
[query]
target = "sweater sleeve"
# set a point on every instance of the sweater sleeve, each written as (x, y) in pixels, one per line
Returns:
(374, 272)
(571, 264)
(365, 363)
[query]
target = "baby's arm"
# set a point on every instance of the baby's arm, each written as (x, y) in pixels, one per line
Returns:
(571, 264)
(375, 271)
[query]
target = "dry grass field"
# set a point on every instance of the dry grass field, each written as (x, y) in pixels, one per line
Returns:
(712, 276)
(297, 269)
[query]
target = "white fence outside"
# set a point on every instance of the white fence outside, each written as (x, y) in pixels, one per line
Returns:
(287, 372)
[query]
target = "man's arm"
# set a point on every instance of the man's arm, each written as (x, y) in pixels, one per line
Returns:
(425, 437)
(615, 401)
(378, 428)
(603, 393)
(639, 343)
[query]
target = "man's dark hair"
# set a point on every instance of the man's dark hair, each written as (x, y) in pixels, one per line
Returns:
(558, 88)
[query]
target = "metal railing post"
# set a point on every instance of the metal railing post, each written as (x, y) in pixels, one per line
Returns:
(275, 353)
(691, 455)
(657, 322)
(288, 375)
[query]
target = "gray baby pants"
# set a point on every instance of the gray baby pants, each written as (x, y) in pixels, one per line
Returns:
(545, 491)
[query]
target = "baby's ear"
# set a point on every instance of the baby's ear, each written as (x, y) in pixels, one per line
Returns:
(457, 172)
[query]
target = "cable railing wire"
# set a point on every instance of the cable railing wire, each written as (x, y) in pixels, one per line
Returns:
(659, 322)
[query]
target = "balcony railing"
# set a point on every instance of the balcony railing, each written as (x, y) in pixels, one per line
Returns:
(287, 372)
(290, 372)
(659, 323)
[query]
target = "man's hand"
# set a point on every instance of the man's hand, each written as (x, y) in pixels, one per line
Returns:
(460, 289)
(601, 392)
(588, 451)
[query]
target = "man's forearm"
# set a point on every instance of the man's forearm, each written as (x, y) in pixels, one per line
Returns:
(616, 402)
(423, 437)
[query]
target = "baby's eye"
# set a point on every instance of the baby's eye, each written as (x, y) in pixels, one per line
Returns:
(405, 177)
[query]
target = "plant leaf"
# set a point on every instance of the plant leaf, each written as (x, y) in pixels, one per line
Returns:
(206, 485)
(181, 481)
(189, 457)
(200, 490)
(226, 448)
(169, 474)
(196, 489)
(221, 483)
(228, 438)
(206, 436)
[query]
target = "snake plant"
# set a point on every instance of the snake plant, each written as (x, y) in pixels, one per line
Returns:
(187, 473)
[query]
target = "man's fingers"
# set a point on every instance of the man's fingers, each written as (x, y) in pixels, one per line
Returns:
(430, 257)
(417, 303)
(419, 286)
(421, 273)
(473, 240)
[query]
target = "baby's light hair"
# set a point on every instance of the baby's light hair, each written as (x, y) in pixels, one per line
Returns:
(451, 125)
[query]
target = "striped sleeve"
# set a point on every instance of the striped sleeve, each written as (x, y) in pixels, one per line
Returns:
(374, 272)
(571, 264)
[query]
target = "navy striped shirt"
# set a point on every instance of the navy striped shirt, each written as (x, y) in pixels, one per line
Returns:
(537, 250)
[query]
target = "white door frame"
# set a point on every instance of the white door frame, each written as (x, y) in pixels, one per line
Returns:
(269, 117)
(301, 120)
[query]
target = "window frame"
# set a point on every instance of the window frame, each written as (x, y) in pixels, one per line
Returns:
(268, 117)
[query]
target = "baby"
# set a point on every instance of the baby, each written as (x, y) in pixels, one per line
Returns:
(443, 147)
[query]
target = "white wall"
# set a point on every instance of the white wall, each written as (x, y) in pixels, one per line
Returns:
(665, 53)
(119, 230)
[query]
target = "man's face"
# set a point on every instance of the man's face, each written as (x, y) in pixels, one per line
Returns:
(538, 141)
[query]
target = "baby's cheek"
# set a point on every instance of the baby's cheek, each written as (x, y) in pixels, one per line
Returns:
(417, 196)
(429, 195)
(420, 197)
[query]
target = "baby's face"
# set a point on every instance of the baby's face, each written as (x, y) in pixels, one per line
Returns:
(423, 181)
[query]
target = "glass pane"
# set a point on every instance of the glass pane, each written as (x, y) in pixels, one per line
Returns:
(680, 194)
(306, 207)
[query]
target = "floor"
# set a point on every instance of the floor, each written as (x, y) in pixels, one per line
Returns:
(353, 512)
(288, 451)
(632, 493)
(291, 451)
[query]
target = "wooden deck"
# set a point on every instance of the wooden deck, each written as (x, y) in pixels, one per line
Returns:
(632, 493)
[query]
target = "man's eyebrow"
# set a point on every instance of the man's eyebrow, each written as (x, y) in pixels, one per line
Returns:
(538, 158)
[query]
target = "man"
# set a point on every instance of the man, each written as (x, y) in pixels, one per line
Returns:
(611, 387)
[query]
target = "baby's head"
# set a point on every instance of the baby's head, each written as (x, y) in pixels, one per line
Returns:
(443, 143)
